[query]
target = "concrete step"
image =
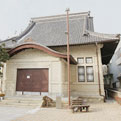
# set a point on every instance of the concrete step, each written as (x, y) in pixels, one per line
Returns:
(24, 98)
(22, 101)
(19, 105)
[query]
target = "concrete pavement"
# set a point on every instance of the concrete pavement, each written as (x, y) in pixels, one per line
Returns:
(8, 113)
(110, 111)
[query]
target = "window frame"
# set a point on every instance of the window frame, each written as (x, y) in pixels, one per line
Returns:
(85, 65)
(91, 74)
(89, 62)
(80, 58)
(81, 74)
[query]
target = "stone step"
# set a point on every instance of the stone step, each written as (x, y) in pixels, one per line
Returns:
(22, 101)
(19, 104)
(27, 98)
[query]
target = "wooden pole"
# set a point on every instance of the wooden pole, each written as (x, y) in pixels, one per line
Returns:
(68, 56)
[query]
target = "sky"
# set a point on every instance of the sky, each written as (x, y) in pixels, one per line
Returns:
(15, 15)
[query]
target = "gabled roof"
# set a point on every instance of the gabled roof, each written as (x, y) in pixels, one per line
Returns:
(50, 31)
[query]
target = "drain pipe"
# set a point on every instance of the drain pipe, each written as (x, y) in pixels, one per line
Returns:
(99, 72)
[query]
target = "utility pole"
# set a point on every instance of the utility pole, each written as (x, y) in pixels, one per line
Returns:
(68, 55)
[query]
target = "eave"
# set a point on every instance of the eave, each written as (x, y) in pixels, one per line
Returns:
(22, 47)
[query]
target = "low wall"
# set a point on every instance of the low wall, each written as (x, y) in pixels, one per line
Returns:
(115, 94)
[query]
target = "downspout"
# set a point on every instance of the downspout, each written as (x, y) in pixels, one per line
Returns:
(99, 73)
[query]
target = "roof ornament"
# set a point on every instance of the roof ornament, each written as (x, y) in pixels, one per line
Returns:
(86, 33)
(89, 13)
(118, 35)
(14, 41)
(29, 40)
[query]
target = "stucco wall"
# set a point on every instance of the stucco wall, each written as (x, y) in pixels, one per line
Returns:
(85, 89)
(32, 58)
(114, 68)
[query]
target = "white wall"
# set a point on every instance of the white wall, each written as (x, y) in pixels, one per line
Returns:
(32, 58)
(84, 88)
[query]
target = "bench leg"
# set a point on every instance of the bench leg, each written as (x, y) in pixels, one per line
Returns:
(72, 110)
(77, 109)
(87, 109)
(80, 109)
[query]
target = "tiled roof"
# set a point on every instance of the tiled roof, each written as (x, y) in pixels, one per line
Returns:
(50, 31)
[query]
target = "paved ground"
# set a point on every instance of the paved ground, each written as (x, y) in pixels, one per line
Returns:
(8, 113)
(110, 111)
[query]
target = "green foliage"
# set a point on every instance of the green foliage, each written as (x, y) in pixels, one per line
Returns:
(4, 56)
(108, 77)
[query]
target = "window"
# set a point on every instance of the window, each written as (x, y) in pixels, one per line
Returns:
(85, 69)
(81, 74)
(90, 75)
(80, 60)
(89, 60)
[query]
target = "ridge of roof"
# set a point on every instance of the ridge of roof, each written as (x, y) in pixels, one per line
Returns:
(12, 38)
(103, 35)
(15, 38)
(29, 27)
(37, 19)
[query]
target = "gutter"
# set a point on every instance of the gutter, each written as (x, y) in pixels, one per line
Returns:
(99, 73)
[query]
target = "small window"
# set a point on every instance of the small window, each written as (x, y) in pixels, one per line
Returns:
(81, 74)
(80, 60)
(90, 75)
(89, 60)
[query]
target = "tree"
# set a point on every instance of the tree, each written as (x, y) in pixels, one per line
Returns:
(4, 56)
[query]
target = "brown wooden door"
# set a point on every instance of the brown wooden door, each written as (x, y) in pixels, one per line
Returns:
(32, 80)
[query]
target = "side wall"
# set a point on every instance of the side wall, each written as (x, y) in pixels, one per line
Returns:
(85, 89)
(32, 58)
(114, 68)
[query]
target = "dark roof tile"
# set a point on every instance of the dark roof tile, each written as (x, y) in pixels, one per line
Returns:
(50, 31)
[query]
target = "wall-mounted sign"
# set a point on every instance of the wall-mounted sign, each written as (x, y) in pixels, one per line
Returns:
(28, 77)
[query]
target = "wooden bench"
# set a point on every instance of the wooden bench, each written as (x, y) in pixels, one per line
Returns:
(76, 108)
(76, 105)
(2, 95)
(77, 102)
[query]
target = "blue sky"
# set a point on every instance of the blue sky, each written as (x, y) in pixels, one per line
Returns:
(16, 14)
